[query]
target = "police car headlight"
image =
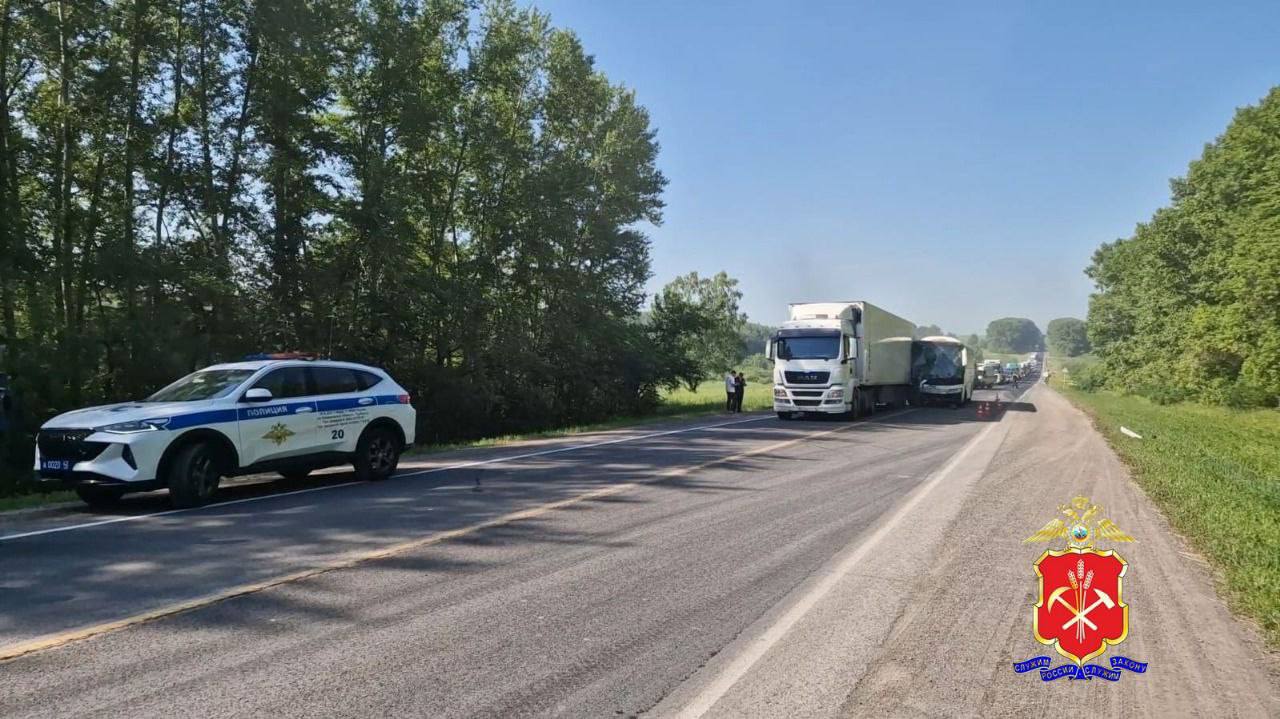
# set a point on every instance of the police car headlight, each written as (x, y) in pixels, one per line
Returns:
(144, 425)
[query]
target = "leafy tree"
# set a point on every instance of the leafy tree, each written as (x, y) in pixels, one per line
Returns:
(1014, 334)
(1190, 303)
(974, 343)
(697, 326)
(754, 338)
(1067, 337)
(447, 188)
(928, 331)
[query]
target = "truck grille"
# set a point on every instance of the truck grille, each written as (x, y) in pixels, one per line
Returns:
(808, 402)
(807, 377)
(68, 444)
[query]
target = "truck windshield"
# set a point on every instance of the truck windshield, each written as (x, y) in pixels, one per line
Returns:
(939, 362)
(206, 384)
(794, 348)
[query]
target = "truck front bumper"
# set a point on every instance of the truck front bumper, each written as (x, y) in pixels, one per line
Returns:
(826, 400)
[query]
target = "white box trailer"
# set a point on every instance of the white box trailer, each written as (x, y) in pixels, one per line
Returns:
(840, 358)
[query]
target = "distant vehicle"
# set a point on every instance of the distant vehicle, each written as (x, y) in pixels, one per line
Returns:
(279, 413)
(942, 371)
(840, 358)
(986, 376)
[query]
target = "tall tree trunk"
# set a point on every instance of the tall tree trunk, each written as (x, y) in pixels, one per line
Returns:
(10, 220)
(62, 238)
(166, 176)
(128, 222)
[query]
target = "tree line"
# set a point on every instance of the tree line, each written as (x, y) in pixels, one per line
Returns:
(444, 188)
(1188, 307)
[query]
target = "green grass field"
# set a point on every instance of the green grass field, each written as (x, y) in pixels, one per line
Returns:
(1005, 357)
(1215, 473)
(710, 398)
(37, 499)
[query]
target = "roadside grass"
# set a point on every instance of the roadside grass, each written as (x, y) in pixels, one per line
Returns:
(38, 499)
(710, 397)
(1215, 473)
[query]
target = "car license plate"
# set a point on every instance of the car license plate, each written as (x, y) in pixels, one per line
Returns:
(56, 465)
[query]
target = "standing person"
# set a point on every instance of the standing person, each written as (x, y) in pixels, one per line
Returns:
(730, 388)
(739, 389)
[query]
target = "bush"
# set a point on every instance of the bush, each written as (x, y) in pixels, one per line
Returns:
(1163, 393)
(1241, 395)
(1088, 377)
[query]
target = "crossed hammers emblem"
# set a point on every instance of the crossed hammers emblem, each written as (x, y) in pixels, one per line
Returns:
(1080, 615)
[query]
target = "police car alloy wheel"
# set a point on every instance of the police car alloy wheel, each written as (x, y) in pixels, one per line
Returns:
(194, 476)
(377, 454)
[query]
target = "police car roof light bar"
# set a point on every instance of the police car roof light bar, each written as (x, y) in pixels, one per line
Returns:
(280, 356)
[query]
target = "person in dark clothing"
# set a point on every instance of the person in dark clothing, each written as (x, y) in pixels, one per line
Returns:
(739, 388)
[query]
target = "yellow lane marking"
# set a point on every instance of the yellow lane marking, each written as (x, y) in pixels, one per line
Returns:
(51, 641)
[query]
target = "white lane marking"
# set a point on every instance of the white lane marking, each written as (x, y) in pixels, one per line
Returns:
(743, 662)
(135, 517)
(461, 465)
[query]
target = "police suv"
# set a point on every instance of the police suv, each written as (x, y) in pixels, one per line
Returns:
(272, 413)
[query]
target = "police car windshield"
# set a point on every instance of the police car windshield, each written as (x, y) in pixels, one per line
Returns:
(206, 384)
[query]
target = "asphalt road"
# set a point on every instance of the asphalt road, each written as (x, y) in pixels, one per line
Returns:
(735, 566)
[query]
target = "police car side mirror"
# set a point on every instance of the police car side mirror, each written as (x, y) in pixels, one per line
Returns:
(258, 394)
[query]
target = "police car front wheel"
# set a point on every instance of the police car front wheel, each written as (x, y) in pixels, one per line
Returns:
(193, 476)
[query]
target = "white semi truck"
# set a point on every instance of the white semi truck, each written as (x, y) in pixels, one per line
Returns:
(840, 358)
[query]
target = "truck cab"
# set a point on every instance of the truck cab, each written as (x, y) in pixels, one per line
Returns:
(839, 358)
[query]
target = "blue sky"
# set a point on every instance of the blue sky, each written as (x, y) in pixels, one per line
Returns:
(953, 162)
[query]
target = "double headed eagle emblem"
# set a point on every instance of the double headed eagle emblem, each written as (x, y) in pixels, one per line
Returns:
(279, 433)
(1080, 526)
